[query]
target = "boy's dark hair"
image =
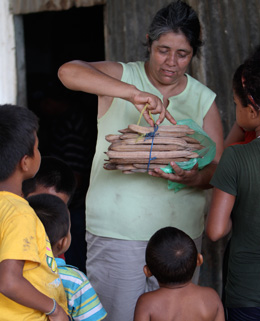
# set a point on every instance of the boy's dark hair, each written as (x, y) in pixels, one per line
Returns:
(176, 17)
(53, 172)
(171, 256)
(18, 128)
(53, 213)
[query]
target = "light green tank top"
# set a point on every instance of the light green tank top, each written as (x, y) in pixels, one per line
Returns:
(133, 207)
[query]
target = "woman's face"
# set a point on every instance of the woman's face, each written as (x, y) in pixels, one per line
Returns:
(169, 58)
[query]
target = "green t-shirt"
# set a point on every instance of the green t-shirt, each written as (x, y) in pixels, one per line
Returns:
(238, 174)
(133, 207)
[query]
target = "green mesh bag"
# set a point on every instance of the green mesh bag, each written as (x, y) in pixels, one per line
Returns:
(206, 155)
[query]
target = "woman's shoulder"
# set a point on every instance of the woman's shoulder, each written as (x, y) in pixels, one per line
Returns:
(133, 66)
(133, 71)
(194, 83)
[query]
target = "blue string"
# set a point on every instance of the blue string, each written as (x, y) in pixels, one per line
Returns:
(151, 135)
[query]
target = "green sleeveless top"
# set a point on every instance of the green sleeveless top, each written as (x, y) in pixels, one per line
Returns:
(133, 207)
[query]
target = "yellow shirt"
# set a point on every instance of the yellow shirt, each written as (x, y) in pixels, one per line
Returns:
(23, 237)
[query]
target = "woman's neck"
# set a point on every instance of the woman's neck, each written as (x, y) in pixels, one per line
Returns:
(167, 90)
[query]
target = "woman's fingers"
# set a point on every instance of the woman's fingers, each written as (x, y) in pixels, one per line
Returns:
(170, 118)
(148, 118)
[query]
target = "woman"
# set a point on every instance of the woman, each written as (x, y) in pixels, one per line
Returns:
(123, 211)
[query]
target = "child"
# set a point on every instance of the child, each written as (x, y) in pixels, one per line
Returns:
(83, 302)
(235, 204)
(30, 288)
(54, 177)
(57, 178)
(171, 256)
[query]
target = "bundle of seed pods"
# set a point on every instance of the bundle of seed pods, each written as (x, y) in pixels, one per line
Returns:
(138, 149)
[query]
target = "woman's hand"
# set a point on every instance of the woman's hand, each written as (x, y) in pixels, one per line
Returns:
(154, 105)
(192, 177)
(187, 177)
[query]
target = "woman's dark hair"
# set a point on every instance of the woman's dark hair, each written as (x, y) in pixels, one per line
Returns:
(53, 213)
(171, 256)
(177, 17)
(18, 128)
(246, 81)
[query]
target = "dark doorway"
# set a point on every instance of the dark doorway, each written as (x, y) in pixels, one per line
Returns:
(68, 120)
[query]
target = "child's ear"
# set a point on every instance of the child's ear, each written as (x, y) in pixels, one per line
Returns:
(253, 112)
(147, 271)
(24, 163)
(61, 245)
(199, 259)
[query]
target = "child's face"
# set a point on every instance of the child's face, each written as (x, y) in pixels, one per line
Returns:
(40, 189)
(68, 237)
(242, 114)
(35, 160)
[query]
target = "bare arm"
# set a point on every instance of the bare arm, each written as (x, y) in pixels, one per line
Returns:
(215, 300)
(219, 221)
(103, 79)
(213, 127)
(14, 286)
(220, 313)
(142, 310)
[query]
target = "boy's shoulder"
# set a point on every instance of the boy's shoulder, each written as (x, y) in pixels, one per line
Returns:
(195, 292)
(12, 204)
(70, 272)
(205, 291)
(74, 281)
(178, 303)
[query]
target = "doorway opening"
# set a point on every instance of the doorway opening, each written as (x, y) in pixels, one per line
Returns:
(68, 119)
(51, 39)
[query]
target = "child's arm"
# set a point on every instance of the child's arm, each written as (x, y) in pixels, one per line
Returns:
(142, 310)
(14, 286)
(219, 221)
(220, 311)
(214, 304)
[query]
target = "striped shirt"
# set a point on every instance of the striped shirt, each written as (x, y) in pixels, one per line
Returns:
(83, 302)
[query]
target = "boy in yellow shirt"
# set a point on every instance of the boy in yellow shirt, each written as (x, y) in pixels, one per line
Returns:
(30, 286)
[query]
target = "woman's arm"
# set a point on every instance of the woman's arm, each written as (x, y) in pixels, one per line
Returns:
(103, 79)
(14, 286)
(194, 178)
(212, 125)
(219, 221)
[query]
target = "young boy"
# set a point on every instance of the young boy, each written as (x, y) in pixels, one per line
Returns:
(83, 302)
(54, 177)
(171, 256)
(30, 288)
